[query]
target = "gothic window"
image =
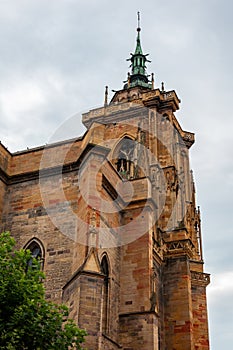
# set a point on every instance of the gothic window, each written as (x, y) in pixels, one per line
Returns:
(37, 252)
(105, 271)
(125, 157)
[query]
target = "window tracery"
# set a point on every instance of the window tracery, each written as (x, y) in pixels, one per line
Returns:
(126, 159)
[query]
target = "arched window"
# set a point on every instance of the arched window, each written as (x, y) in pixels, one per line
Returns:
(125, 158)
(105, 271)
(37, 251)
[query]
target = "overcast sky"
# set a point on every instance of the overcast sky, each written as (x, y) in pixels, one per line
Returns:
(57, 56)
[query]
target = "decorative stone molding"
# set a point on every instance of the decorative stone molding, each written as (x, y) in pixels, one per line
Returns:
(200, 278)
(180, 247)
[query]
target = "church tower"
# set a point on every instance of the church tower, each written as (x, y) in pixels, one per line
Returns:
(162, 283)
(113, 217)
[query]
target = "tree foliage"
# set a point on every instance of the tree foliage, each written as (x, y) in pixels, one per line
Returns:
(27, 319)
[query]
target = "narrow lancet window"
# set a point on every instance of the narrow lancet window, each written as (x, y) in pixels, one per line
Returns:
(105, 271)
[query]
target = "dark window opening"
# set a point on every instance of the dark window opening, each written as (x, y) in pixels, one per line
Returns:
(105, 271)
(36, 252)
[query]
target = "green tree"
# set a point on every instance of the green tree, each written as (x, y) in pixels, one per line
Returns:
(27, 319)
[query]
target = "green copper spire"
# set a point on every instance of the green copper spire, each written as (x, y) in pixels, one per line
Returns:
(138, 76)
(138, 50)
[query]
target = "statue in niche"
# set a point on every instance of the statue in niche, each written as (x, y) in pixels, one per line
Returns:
(172, 180)
(153, 301)
(93, 223)
(142, 137)
(154, 296)
(155, 177)
(92, 229)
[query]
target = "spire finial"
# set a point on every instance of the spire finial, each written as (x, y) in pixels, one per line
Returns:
(152, 80)
(138, 28)
(128, 80)
(106, 96)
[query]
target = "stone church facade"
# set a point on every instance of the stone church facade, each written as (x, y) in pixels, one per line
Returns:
(112, 216)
